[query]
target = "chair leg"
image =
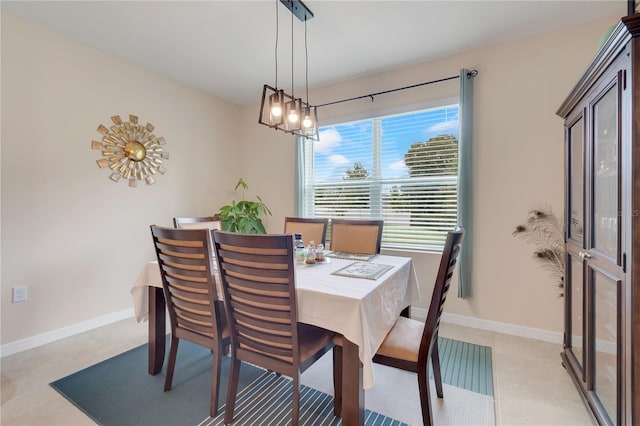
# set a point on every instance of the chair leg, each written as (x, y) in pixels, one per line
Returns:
(215, 379)
(435, 363)
(425, 397)
(232, 390)
(295, 406)
(337, 381)
(173, 352)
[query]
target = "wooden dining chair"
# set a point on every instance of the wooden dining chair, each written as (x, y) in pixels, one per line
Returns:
(359, 236)
(312, 229)
(201, 222)
(258, 282)
(186, 268)
(410, 343)
(356, 236)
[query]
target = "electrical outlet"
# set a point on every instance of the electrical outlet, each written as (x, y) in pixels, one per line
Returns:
(19, 294)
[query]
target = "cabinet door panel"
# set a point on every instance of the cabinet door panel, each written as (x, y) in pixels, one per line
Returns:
(605, 173)
(576, 308)
(606, 342)
(575, 191)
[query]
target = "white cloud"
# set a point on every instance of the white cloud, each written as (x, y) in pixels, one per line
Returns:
(398, 165)
(338, 160)
(329, 139)
(443, 126)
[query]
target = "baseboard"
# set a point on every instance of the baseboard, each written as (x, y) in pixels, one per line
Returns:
(418, 313)
(61, 333)
(495, 326)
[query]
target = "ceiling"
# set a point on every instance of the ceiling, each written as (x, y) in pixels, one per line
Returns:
(227, 48)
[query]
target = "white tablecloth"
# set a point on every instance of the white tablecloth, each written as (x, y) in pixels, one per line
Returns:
(362, 310)
(150, 276)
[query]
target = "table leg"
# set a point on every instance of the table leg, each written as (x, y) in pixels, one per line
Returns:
(157, 329)
(352, 390)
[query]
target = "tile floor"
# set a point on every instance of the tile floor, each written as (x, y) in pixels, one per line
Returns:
(531, 386)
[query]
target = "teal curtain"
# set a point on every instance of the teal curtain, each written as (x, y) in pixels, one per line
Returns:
(465, 190)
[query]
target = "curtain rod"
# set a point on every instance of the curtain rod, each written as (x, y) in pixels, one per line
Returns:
(470, 74)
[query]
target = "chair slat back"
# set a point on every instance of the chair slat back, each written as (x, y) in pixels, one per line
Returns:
(448, 263)
(258, 284)
(312, 229)
(211, 223)
(186, 268)
(356, 236)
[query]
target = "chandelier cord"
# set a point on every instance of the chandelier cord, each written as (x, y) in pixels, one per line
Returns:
(306, 60)
(292, 91)
(277, 36)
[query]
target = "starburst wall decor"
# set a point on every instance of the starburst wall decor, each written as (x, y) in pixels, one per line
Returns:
(131, 151)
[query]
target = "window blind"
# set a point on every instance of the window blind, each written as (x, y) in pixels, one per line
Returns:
(401, 168)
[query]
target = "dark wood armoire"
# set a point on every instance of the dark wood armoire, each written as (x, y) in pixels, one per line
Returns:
(602, 212)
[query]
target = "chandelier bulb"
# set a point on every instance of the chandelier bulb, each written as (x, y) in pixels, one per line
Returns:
(282, 111)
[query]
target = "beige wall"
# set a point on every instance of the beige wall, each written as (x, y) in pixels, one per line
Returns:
(78, 240)
(74, 237)
(518, 160)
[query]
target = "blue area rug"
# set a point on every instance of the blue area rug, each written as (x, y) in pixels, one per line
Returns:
(267, 401)
(120, 392)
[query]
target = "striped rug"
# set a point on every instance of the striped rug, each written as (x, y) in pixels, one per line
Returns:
(267, 401)
(465, 365)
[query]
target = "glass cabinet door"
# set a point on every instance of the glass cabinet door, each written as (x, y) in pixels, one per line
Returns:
(605, 327)
(574, 217)
(605, 174)
(575, 230)
(576, 308)
(603, 257)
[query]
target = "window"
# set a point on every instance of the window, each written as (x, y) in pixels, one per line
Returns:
(400, 168)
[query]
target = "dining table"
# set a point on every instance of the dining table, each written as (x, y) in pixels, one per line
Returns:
(362, 310)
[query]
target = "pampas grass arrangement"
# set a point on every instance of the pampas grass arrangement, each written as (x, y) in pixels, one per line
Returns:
(545, 231)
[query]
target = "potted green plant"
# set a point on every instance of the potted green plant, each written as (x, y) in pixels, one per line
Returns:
(244, 216)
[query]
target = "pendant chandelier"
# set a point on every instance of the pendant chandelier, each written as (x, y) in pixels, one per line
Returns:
(280, 110)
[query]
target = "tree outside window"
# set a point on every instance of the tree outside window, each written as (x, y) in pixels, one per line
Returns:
(401, 168)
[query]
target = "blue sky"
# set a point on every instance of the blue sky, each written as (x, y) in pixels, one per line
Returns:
(340, 146)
